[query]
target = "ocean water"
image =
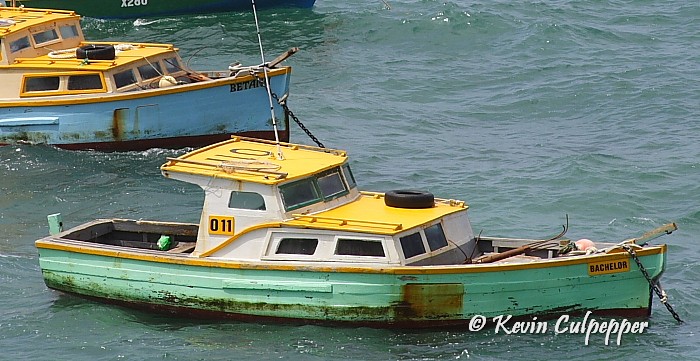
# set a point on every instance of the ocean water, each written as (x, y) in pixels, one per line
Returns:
(530, 111)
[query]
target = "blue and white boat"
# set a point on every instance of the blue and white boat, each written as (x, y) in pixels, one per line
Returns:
(60, 90)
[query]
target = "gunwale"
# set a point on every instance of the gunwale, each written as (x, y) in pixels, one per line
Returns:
(82, 247)
(149, 93)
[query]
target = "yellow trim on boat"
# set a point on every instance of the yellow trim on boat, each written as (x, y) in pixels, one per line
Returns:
(61, 87)
(309, 267)
(38, 102)
(243, 232)
(29, 17)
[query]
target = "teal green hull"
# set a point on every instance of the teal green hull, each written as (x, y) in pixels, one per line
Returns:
(153, 8)
(390, 297)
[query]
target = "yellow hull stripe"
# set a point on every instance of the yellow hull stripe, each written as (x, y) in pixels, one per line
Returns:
(396, 270)
(103, 98)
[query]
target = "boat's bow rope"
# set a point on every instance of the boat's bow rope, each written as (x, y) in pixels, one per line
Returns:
(663, 297)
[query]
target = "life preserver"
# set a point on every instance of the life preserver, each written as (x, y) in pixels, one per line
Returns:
(409, 199)
(96, 52)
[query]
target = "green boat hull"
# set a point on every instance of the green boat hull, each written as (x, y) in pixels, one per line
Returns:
(389, 297)
(151, 8)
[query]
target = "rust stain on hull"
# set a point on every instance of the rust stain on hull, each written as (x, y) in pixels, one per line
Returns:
(431, 301)
(425, 307)
(118, 123)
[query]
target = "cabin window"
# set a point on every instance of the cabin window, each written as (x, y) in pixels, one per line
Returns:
(85, 82)
(331, 184)
(305, 246)
(45, 36)
(349, 178)
(124, 78)
(172, 65)
(299, 194)
(150, 71)
(359, 247)
(19, 44)
(412, 245)
(68, 31)
(435, 236)
(37, 84)
(246, 200)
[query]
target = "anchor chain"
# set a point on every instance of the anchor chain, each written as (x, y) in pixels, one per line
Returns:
(654, 285)
(283, 103)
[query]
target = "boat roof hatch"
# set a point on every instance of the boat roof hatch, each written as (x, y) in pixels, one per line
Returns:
(247, 160)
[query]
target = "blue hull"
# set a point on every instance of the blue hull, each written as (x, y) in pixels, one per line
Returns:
(182, 116)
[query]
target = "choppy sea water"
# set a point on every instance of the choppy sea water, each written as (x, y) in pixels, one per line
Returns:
(529, 111)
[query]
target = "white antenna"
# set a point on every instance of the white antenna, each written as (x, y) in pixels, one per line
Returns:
(267, 85)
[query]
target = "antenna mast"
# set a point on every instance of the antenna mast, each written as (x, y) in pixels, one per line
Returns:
(267, 84)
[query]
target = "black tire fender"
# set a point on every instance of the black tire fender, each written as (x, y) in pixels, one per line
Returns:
(409, 199)
(96, 52)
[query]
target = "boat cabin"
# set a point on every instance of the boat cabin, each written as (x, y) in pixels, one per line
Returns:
(43, 53)
(269, 202)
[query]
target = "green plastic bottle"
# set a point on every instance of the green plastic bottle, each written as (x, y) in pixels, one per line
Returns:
(163, 243)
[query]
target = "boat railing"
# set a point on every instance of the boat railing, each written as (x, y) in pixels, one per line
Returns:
(347, 222)
(258, 168)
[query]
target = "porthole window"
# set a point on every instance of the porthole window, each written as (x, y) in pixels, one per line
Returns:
(299, 194)
(349, 178)
(85, 82)
(35, 84)
(412, 245)
(331, 184)
(359, 247)
(124, 78)
(435, 236)
(19, 44)
(172, 65)
(306, 246)
(246, 200)
(45, 36)
(150, 71)
(68, 31)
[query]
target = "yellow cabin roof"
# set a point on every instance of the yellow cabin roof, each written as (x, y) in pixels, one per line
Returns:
(19, 19)
(370, 214)
(135, 52)
(256, 161)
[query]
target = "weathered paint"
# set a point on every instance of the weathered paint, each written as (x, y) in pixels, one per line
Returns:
(201, 107)
(348, 295)
(99, 126)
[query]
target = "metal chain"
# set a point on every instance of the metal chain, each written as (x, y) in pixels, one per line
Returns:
(654, 285)
(283, 103)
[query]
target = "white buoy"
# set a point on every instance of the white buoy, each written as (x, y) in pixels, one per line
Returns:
(166, 81)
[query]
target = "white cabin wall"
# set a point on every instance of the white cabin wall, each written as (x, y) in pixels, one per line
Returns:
(460, 242)
(11, 82)
(249, 247)
(217, 193)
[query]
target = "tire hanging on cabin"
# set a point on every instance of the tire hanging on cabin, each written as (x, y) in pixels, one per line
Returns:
(96, 52)
(409, 199)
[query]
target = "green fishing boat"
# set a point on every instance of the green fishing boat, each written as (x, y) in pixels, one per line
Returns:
(129, 9)
(285, 234)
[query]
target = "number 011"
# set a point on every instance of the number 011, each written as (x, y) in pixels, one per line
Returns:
(221, 225)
